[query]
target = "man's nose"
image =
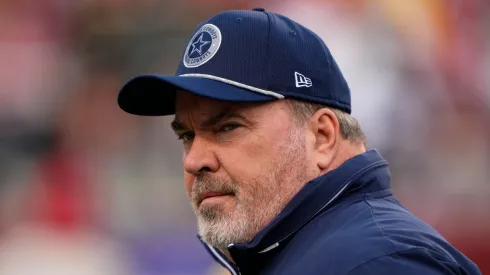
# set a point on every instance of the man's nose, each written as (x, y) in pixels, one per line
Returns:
(200, 157)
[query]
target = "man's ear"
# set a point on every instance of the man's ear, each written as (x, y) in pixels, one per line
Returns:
(325, 127)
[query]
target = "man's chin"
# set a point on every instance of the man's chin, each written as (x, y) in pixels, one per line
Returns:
(220, 234)
(212, 214)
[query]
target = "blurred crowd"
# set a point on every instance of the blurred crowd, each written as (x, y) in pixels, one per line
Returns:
(88, 189)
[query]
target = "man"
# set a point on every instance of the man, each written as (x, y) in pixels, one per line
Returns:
(276, 168)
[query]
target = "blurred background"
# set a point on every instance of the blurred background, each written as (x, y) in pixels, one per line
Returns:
(87, 189)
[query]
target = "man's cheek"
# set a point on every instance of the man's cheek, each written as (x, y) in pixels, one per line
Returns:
(188, 182)
(255, 148)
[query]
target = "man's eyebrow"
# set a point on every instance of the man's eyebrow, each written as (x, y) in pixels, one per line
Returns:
(219, 117)
(178, 126)
(211, 121)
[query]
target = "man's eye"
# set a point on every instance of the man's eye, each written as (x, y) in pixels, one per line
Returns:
(228, 127)
(187, 136)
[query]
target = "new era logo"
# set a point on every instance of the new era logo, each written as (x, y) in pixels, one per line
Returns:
(301, 80)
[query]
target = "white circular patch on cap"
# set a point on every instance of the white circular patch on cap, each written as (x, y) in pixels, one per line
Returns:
(203, 46)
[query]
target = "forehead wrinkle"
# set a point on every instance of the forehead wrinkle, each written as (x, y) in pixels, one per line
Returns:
(201, 112)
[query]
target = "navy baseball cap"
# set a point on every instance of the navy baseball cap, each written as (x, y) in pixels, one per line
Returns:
(244, 56)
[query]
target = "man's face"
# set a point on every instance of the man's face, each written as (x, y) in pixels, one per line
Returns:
(243, 162)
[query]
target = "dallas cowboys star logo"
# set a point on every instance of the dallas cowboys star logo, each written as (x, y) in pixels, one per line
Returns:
(202, 46)
(200, 43)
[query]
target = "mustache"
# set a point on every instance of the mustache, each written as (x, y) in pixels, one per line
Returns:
(207, 184)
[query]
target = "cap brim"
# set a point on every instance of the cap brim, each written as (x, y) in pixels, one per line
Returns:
(154, 95)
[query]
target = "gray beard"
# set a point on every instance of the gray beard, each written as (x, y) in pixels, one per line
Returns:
(261, 201)
(219, 228)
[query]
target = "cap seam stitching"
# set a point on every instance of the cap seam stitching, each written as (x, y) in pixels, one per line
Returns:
(266, 60)
(236, 84)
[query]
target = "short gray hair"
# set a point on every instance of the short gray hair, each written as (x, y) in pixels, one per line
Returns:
(350, 129)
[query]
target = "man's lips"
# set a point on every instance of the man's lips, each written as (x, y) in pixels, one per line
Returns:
(208, 195)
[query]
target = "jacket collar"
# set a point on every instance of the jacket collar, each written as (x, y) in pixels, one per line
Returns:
(316, 196)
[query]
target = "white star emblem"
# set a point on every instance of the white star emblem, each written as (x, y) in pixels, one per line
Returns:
(199, 46)
(202, 46)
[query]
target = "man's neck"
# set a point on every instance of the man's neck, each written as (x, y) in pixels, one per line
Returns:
(228, 255)
(346, 151)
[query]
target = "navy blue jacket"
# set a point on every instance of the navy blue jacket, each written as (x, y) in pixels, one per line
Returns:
(347, 222)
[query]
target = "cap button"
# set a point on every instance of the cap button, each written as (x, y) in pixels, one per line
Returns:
(258, 9)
